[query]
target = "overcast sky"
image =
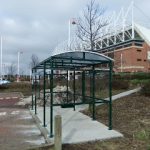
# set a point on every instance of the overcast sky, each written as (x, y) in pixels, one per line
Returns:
(38, 26)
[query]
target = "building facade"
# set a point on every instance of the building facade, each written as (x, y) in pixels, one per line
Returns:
(131, 54)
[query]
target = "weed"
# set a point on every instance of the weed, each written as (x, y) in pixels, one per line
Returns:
(146, 89)
(143, 135)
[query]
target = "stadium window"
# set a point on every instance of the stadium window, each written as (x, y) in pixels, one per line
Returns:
(119, 47)
(138, 44)
(128, 45)
(139, 59)
(139, 50)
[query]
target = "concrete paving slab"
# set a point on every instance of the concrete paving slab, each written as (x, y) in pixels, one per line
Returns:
(126, 93)
(18, 130)
(77, 127)
(114, 97)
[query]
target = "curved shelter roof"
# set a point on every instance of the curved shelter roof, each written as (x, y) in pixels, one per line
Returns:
(75, 59)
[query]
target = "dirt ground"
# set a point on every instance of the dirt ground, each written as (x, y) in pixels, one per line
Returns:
(131, 117)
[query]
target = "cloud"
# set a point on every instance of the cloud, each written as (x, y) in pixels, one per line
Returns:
(37, 27)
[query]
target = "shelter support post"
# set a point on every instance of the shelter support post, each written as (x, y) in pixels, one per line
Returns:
(51, 102)
(83, 86)
(91, 80)
(68, 75)
(110, 95)
(93, 92)
(32, 90)
(35, 92)
(74, 87)
(39, 87)
(44, 96)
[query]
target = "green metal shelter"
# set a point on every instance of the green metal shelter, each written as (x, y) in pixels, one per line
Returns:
(87, 63)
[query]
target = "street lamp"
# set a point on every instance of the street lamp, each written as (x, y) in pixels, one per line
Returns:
(18, 70)
(71, 22)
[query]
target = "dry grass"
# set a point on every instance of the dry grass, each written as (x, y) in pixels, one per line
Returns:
(23, 87)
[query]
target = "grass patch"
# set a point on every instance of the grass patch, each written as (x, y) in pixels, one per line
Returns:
(146, 89)
(23, 87)
(140, 82)
(43, 147)
(143, 135)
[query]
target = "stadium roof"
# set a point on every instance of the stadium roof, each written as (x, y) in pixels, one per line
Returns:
(143, 32)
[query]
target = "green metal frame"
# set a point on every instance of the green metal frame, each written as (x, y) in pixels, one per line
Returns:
(32, 92)
(51, 105)
(73, 61)
(35, 89)
(44, 96)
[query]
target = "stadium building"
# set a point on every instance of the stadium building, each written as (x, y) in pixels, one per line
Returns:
(124, 39)
(129, 49)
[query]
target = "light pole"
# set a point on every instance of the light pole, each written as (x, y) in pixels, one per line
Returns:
(71, 22)
(3, 68)
(18, 70)
(1, 60)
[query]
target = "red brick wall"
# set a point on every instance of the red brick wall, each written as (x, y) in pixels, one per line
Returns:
(134, 59)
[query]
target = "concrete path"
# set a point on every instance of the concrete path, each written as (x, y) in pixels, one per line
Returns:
(18, 130)
(77, 127)
(114, 97)
(123, 94)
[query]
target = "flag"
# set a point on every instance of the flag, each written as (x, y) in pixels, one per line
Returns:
(73, 21)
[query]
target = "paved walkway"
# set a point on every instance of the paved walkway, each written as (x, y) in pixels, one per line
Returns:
(18, 131)
(123, 94)
(77, 127)
(115, 97)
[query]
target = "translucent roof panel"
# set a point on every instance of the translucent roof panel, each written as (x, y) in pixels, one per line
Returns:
(74, 59)
(85, 55)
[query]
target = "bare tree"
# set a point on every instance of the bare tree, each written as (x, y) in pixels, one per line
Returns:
(22, 72)
(90, 25)
(12, 69)
(34, 60)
